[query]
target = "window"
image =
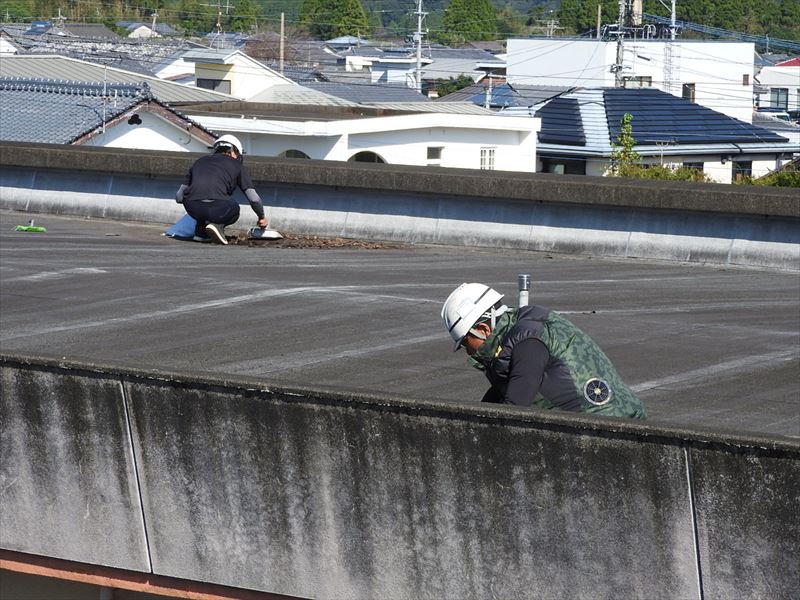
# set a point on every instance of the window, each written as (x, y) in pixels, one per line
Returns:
(638, 82)
(694, 166)
(564, 166)
(218, 85)
(688, 92)
(487, 159)
(366, 156)
(434, 153)
(746, 79)
(294, 154)
(779, 98)
(742, 169)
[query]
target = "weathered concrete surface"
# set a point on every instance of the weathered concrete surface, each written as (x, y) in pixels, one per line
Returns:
(748, 519)
(710, 346)
(677, 221)
(308, 493)
(67, 479)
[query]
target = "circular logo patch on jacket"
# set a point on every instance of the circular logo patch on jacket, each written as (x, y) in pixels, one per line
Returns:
(597, 391)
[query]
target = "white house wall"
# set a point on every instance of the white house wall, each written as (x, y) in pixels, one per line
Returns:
(722, 72)
(247, 78)
(275, 145)
(154, 133)
(402, 140)
(461, 148)
(781, 77)
(6, 47)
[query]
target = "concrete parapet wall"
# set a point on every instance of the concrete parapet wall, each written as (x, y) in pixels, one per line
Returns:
(307, 493)
(595, 216)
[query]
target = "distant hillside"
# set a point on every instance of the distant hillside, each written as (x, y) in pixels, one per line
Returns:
(394, 19)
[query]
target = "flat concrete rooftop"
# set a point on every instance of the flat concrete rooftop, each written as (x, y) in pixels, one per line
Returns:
(703, 346)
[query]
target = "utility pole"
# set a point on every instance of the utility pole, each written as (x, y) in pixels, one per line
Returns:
(153, 27)
(599, 18)
(280, 61)
(618, 80)
(669, 55)
(418, 39)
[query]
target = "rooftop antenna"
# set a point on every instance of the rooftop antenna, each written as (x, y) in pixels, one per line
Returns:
(418, 39)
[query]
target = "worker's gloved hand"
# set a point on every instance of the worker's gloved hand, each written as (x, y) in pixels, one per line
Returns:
(262, 223)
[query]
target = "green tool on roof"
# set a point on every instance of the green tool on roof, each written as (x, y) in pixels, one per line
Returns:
(30, 228)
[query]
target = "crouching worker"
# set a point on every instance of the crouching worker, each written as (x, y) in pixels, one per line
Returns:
(534, 356)
(207, 191)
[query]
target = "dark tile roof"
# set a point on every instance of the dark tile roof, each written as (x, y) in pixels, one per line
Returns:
(659, 117)
(56, 112)
(90, 30)
(561, 123)
(59, 112)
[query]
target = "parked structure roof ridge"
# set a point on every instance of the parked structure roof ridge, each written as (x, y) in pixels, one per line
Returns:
(62, 86)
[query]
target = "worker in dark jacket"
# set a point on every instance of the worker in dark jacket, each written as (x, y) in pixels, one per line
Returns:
(534, 356)
(207, 191)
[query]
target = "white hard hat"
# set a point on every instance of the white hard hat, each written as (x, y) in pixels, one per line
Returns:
(229, 140)
(466, 305)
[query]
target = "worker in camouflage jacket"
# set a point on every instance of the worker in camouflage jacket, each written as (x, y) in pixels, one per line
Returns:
(535, 357)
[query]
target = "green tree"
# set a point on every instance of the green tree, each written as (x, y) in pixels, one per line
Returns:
(245, 16)
(17, 10)
(624, 159)
(326, 19)
(452, 84)
(509, 23)
(569, 15)
(469, 20)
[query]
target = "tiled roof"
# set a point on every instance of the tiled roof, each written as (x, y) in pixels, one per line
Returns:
(60, 112)
(659, 117)
(561, 122)
(57, 112)
(62, 68)
(92, 30)
(121, 53)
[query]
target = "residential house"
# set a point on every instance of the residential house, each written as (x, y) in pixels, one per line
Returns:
(581, 127)
(113, 115)
(717, 75)
(452, 136)
(781, 86)
(139, 30)
(8, 45)
(232, 72)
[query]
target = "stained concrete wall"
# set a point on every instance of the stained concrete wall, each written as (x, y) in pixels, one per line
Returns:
(595, 216)
(306, 493)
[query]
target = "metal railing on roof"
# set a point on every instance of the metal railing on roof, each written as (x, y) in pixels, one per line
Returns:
(761, 40)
